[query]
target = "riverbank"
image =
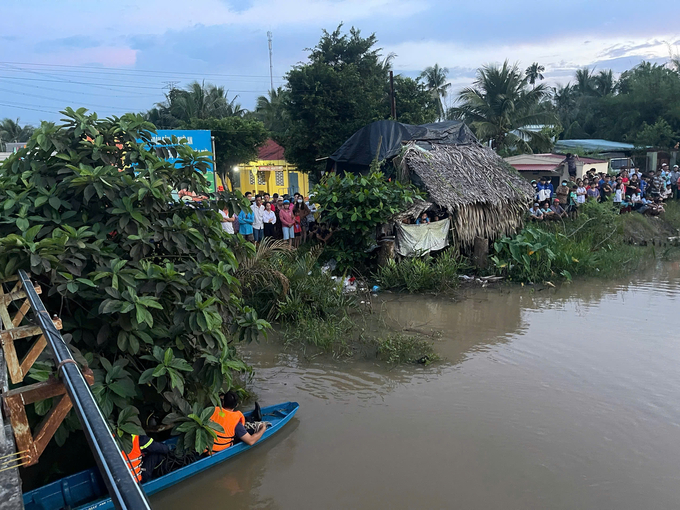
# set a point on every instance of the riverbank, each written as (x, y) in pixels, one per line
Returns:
(315, 311)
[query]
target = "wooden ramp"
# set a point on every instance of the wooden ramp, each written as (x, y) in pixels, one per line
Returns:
(10, 482)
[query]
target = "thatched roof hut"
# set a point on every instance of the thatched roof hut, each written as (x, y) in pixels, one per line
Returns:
(484, 196)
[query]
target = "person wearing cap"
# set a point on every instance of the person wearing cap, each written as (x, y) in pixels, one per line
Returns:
(559, 212)
(535, 213)
(287, 222)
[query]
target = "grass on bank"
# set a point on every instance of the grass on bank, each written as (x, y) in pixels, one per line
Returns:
(431, 273)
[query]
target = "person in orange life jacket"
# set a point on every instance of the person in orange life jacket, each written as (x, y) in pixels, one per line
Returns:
(145, 456)
(233, 424)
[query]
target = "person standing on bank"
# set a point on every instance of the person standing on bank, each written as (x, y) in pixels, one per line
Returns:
(269, 220)
(245, 225)
(233, 424)
(258, 225)
(287, 222)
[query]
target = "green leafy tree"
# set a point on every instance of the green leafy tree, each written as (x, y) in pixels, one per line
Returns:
(604, 83)
(145, 285)
(340, 89)
(534, 73)
(660, 135)
(501, 108)
(436, 82)
(415, 104)
(236, 142)
(354, 205)
(585, 82)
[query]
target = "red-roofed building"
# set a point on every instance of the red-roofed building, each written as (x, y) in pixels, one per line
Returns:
(271, 173)
(534, 166)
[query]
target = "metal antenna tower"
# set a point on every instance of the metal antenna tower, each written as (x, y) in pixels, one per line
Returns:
(271, 66)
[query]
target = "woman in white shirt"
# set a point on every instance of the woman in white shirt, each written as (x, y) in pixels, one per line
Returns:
(581, 192)
(269, 220)
(227, 221)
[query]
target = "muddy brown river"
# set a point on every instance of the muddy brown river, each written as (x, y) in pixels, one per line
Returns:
(565, 398)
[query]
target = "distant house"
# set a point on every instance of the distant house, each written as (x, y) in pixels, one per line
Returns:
(534, 166)
(271, 173)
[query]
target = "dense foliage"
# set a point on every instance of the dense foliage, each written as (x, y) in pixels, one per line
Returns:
(594, 244)
(353, 206)
(145, 284)
(642, 107)
(343, 86)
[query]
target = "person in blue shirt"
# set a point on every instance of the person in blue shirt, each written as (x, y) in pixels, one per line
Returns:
(643, 185)
(245, 222)
(423, 220)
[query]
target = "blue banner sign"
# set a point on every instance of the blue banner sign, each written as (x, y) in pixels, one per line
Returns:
(197, 139)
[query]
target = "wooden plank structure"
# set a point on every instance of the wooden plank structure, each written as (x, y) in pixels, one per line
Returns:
(13, 331)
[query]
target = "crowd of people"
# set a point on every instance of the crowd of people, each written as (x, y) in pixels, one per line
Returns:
(628, 191)
(291, 218)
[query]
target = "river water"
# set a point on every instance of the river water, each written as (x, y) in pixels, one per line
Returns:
(565, 398)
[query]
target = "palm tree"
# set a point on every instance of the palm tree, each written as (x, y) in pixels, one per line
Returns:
(585, 82)
(270, 110)
(12, 131)
(501, 108)
(197, 101)
(435, 81)
(533, 73)
(604, 83)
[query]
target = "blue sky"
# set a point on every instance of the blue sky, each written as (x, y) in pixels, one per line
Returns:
(113, 57)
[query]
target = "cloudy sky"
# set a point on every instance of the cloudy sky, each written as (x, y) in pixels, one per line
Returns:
(114, 57)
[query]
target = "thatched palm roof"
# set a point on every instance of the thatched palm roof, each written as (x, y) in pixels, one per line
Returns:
(483, 194)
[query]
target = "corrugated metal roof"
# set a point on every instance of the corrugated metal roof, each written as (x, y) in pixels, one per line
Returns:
(595, 145)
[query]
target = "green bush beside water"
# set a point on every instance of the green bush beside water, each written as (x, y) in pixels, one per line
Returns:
(595, 244)
(437, 273)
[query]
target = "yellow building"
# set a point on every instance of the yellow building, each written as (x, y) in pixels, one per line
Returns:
(271, 174)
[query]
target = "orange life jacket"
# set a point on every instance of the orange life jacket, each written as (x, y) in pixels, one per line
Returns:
(134, 458)
(228, 421)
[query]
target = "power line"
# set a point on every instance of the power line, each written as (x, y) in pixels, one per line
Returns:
(146, 71)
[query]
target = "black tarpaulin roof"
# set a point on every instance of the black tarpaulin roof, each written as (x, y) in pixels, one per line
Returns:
(360, 149)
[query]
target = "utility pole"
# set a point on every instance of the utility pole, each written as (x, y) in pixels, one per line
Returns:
(393, 103)
(169, 86)
(271, 66)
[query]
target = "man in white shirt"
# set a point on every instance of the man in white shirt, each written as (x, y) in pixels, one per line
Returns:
(258, 224)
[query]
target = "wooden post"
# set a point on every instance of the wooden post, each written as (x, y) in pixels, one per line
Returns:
(387, 251)
(480, 254)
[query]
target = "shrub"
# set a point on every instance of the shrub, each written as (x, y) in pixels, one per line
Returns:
(438, 273)
(397, 348)
(144, 283)
(354, 205)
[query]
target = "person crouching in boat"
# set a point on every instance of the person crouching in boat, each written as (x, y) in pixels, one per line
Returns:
(146, 456)
(233, 423)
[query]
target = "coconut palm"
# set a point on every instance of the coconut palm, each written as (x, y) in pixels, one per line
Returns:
(585, 82)
(534, 72)
(434, 78)
(270, 110)
(604, 83)
(501, 108)
(12, 131)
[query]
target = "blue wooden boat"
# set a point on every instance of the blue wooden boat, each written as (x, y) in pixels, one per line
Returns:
(86, 490)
